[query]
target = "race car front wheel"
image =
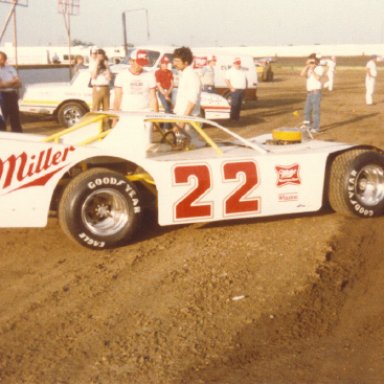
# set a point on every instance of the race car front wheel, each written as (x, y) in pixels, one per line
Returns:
(356, 184)
(100, 209)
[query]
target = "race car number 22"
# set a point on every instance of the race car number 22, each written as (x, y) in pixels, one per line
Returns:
(242, 174)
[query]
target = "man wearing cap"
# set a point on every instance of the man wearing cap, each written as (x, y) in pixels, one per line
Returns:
(135, 88)
(370, 79)
(237, 83)
(207, 75)
(313, 72)
(164, 82)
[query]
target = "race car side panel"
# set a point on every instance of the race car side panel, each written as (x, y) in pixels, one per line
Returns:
(29, 173)
(239, 187)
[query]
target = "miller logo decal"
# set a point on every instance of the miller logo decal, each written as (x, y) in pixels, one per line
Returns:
(28, 170)
(288, 174)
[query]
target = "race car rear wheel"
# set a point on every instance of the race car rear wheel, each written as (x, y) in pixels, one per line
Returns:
(70, 113)
(357, 183)
(100, 209)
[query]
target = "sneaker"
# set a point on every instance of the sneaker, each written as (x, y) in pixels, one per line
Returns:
(313, 130)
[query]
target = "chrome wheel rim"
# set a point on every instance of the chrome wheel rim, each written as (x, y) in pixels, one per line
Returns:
(104, 212)
(369, 187)
(72, 115)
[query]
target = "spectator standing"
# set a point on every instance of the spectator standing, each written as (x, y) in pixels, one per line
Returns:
(79, 64)
(135, 88)
(208, 75)
(237, 83)
(93, 58)
(189, 87)
(331, 64)
(164, 82)
(313, 72)
(9, 86)
(370, 79)
(100, 79)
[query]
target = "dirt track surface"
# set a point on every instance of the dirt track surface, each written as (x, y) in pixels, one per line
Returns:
(283, 300)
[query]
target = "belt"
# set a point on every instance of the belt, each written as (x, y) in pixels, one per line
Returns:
(315, 91)
(101, 86)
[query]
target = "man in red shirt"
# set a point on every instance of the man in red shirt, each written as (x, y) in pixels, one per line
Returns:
(164, 82)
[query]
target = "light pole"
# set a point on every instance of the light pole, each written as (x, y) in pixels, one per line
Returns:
(69, 8)
(125, 25)
(13, 13)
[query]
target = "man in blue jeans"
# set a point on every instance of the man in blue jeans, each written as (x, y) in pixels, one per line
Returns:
(237, 83)
(9, 86)
(313, 72)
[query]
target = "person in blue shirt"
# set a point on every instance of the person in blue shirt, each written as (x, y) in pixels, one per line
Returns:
(9, 86)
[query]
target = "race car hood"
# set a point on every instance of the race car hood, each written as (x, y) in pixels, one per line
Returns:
(305, 146)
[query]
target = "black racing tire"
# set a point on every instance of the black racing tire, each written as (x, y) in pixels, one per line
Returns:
(100, 209)
(70, 113)
(356, 186)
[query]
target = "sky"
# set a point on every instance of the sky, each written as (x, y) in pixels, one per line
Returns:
(201, 22)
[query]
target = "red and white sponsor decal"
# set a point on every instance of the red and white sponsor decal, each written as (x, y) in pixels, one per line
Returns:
(287, 174)
(24, 170)
(199, 62)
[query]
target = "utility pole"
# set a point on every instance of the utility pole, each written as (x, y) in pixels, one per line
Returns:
(125, 26)
(69, 8)
(12, 14)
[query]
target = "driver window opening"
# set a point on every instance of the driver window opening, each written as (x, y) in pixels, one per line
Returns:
(165, 137)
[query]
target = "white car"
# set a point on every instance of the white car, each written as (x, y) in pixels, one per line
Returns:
(68, 102)
(102, 173)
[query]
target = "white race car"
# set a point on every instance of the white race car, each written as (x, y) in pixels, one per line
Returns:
(101, 174)
(68, 102)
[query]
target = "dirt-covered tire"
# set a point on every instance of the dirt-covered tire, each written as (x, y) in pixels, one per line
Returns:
(70, 113)
(356, 185)
(100, 209)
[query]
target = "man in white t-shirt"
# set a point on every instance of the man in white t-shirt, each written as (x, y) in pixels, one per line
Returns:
(189, 88)
(135, 89)
(236, 80)
(370, 79)
(313, 72)
(188, 95)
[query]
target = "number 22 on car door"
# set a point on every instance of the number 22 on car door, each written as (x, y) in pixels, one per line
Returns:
(216, 191)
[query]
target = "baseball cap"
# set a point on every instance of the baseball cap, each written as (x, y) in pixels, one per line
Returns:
(140, 56)
(164, 60)
(211, 58)
(236, 60)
